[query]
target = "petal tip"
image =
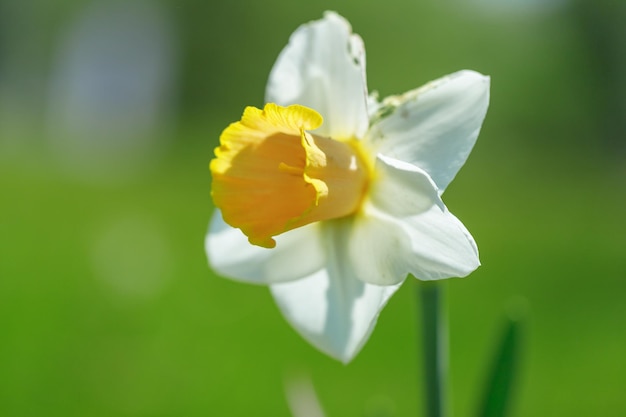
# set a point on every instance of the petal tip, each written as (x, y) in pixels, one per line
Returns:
(332, 15)
(471, 77)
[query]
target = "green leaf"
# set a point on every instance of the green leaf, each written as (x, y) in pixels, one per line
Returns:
(504, 368)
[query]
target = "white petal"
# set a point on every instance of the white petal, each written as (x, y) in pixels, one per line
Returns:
(297, 254)
(405, 228)
(333, 309)
(434, 127)
(323, 67)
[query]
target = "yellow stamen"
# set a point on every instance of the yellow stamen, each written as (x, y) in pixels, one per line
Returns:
(270, 175)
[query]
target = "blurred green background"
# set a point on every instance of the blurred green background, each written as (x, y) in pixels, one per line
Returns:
(109, 113)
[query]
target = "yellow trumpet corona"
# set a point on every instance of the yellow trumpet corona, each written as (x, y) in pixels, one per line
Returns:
(271, 174)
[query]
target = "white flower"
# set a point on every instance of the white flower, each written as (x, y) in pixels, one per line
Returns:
(340, 195)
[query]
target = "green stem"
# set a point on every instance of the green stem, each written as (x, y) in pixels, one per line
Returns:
(435, 342)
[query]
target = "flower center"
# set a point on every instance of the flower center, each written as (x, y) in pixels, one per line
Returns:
(271, 175)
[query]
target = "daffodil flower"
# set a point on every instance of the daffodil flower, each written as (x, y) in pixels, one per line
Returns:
(332, 198)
